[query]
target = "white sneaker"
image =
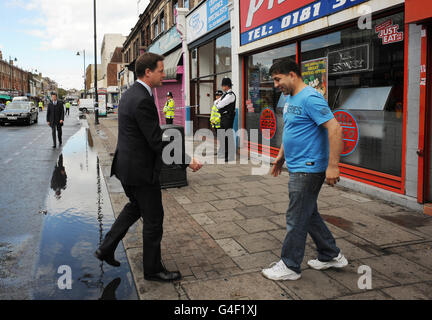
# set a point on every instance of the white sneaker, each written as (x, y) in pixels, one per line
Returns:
(339, 262)
(279, 271)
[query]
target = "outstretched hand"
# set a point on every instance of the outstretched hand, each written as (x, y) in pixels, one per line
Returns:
(195, 165)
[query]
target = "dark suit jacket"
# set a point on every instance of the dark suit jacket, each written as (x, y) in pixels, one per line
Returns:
(55, 113)
(138, 156)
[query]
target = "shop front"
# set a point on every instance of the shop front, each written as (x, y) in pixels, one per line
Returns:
(358, 64)
(209, 45)
(169, 45)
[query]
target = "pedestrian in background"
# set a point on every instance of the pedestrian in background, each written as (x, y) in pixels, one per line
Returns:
(226, 107)
(312, 143)
(55, 118)
(169, 108)
(67, 107)
(137, 163)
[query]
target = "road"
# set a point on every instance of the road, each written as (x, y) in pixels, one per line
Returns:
(27, 160)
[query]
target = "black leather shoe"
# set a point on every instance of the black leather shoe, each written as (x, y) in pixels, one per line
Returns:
(107, 258)
(163, 276)
(53, 146)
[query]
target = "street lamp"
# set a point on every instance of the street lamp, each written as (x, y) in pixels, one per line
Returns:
(11, 73)
(95, 66)
(78, 54)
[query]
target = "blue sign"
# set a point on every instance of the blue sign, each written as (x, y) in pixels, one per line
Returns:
(217, 13)
(308, 13)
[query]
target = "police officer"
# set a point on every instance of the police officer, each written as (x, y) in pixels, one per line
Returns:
(67, 107)
(169, 108)
(226, 107)
(215, 117)
(40, 105)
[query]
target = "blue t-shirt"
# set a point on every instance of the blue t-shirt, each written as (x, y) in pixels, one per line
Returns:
(305, 141)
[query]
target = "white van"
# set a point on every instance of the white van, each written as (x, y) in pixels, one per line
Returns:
(21, 98)
(86, 105)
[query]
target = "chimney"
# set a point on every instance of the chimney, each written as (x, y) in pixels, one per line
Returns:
(1, 55)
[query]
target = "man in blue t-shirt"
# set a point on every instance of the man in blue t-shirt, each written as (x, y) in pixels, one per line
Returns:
(311, 147)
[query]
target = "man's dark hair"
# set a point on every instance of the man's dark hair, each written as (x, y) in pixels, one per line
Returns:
(227, 82)
(285, 66)
(145, 61)
(54, 94)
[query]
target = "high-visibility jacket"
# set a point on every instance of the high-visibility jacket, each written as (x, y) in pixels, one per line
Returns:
(68, 105)
(40, 105)
(169, 109)
(7, 102)
(215, 117)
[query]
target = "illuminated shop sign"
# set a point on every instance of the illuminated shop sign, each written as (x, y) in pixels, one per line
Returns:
(262, 18)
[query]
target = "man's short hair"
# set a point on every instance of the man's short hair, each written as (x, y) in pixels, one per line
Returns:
(146, 61)
(227, 82)
(54, 94)
(285, 66)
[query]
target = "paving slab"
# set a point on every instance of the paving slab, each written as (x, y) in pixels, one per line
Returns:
(255, 211)
(375, 230)
(314, 285)
(225, 216)
(243, 287)
(419, 291)
(224, 230)
(226, 204)
(199, 207)
(398, 269)
(202, 219)
(257, 242)
(256, 261)
(257, 225)
(349, 277)
(279, 207)
(253, 200)
(368, 295)
(232, 247)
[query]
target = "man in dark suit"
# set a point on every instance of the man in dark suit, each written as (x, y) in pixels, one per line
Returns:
(55, 117)
(137, 163)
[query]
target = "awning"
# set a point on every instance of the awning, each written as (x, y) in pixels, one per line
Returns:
(170, 64)
(2, 96)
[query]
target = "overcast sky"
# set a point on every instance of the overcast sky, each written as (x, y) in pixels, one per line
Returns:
(46, 34)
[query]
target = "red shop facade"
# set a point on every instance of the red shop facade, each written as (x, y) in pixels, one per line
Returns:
(370, 60)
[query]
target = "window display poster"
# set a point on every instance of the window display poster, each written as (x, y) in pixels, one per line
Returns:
(102, 104)
(314, 73)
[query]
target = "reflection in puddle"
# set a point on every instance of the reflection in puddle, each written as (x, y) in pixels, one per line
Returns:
(78, 214)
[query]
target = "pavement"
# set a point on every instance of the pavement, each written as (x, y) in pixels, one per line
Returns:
(228, 224)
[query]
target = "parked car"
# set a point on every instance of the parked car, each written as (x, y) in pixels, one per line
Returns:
(2, 106)
(74, 103)
(19, 112)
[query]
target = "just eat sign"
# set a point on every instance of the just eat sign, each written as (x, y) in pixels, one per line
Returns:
(262, 18)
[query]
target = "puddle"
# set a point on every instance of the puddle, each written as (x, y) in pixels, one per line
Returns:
(409, 221)
(78, 214)
(338, 222)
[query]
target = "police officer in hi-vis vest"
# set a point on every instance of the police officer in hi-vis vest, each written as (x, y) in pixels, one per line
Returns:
(169, 108)
(226, 107)
(215, 116)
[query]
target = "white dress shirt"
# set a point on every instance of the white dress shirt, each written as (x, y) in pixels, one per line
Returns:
(146, 86)
(229, 98)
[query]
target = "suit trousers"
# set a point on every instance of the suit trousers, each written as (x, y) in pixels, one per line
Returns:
(144, 202)
(58, 128)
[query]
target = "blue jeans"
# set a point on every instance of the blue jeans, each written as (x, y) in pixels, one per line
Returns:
(302, 218)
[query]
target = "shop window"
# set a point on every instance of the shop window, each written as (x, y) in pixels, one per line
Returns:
(223, 53)
(156, 29)
(206, 59)
(361, 73)
(262, 95)
(194, 63)
(206, 91)
(186, 4)
(162, 22)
